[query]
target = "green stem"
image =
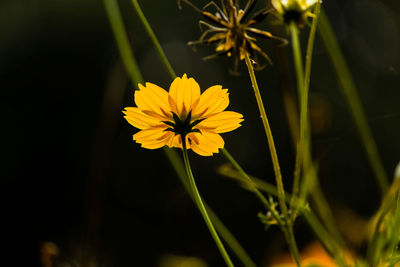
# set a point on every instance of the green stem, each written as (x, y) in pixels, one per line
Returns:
(298, 62)
(310, 46)
(275, 162)
(302, 155)
(353, 100)
(310, 171)
(153, 38)
(201, 206)
(271, 143)
(292, 243)
(133, 71)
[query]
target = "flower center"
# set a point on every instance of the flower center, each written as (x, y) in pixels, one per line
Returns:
(182, 126)
(292, 15)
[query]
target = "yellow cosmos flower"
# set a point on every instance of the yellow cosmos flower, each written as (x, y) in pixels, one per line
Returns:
(294, 10)
(164, 118)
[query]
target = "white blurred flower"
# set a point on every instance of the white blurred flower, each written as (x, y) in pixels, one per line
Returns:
(294, 10)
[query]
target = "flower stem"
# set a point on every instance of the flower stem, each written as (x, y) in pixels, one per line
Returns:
(310, 45)
(309, 168)
(271, 143)
(302, 156)
(202, 208)
(353, 100)
(275, 162)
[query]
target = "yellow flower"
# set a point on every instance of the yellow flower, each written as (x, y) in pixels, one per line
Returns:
(164, 118)
(294, 10)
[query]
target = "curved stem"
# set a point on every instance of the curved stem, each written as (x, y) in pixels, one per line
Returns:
(201, 206)
(275, 162)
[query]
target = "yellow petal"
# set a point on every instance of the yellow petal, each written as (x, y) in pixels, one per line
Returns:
(172, 105)
(156, 92)
(177, 142)
(208, 143)
(201, 151)
(153, 145)
(192, 138)
(169, 138)
(184, 92)
(151, 134)
(222, 122)
(152, 98)
(152, 138)
(213, 100)
(227, 128)
(213, 139)
(139, 119)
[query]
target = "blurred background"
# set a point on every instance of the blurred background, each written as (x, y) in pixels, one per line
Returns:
(73, 183)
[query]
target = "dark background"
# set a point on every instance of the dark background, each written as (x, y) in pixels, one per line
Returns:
(71, 174)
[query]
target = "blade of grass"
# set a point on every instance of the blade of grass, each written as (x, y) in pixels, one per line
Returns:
(349, 89)
(154, 39)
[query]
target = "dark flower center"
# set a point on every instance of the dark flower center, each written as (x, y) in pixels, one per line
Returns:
(292, 15)
(182, 126)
